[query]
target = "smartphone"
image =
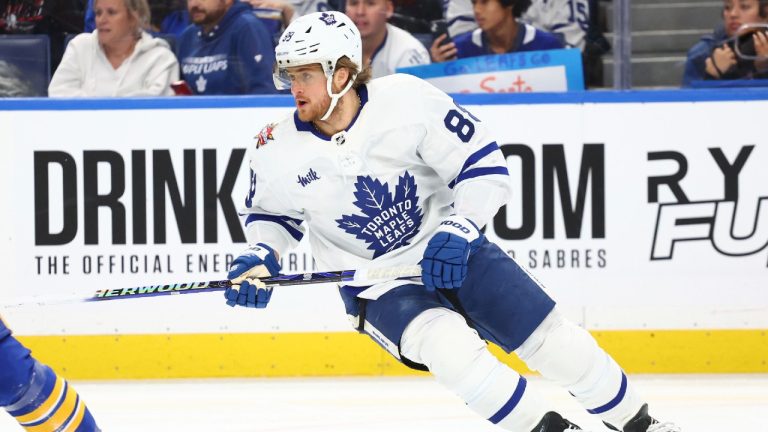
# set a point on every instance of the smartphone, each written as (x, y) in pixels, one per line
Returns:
(181, 88)
(438, 28)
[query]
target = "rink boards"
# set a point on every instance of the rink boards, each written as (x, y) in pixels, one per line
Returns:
(645, 214)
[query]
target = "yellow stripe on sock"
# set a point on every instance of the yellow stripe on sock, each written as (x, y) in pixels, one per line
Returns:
(75, 423)
(41, 411)
(57, 419)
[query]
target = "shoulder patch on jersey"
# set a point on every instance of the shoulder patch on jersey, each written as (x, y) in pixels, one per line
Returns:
(265, 135)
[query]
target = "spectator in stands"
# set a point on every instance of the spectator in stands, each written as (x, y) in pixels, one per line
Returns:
(500, 31)
(714, 56)
(385, 47)
(569, 19)
(169, 17)
(119, 58)
(227, 50)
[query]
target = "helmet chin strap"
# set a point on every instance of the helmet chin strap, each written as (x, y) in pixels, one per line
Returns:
(335, 97)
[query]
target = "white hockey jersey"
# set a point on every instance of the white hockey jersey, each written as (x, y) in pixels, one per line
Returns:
(399, 49)
(372, 195)
(569, 18)
(303, 7)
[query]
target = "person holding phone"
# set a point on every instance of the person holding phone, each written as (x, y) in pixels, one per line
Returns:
(714, 56)
(500, 31)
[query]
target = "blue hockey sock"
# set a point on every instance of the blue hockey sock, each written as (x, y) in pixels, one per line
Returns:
(31, 392)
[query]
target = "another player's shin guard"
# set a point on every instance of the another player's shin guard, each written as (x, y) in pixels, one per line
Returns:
(32, 392)
(441, 340)
(570, 356)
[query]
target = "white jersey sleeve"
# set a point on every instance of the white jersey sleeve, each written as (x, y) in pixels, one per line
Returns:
(400, 49)
(460, 16)
(458, 147)
(270, 217)
(568, 18)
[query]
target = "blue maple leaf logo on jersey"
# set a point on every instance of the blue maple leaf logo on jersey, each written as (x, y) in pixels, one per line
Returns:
(328, 19)
(387, 222)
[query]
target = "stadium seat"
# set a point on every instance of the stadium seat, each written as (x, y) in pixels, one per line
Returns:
(25, 65)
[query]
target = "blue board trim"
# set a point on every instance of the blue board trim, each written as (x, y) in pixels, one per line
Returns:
(280, 101)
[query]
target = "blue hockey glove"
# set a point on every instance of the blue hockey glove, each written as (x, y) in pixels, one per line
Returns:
(445, 259)
(259, 261)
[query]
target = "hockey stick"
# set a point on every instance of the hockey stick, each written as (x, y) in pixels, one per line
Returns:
(360, 275)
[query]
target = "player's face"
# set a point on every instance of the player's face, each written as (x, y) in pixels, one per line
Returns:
(113, 21)
(490, 14)
(370, 16)
(308, 87)
(207, 13)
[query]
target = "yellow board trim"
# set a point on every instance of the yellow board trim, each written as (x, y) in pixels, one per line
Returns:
(343, 354)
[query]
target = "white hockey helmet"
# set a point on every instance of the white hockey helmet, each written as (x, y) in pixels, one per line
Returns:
(318, 38)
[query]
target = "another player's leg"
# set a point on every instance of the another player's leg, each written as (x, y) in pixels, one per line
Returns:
(424, 332)
(32, 392)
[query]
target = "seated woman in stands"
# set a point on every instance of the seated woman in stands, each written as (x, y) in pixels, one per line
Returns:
(715, 57)
(118, 59)
(500, 31)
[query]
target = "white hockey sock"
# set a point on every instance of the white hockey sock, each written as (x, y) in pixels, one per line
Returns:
(570, 356)
(441, 340)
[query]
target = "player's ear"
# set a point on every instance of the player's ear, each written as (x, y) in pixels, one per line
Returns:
(340, 78)
(390, 9)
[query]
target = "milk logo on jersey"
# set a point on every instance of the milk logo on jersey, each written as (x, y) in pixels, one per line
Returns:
(265, 136)
(386, 222)
(710, 220)
(308, 178)
(328, 18)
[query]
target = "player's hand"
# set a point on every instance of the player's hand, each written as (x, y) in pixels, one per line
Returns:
(445, 259)
(258, 261)
(249, 292)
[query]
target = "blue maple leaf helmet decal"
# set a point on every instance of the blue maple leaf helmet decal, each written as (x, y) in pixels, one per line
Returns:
(328, 18)
(387, 222)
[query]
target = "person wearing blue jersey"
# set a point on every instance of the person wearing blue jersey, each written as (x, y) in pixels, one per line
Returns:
(499, 31)
(34, 395)
(227, 50)
(392, 172)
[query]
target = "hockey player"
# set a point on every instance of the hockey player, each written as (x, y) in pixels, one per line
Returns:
(394, 172)
(31, 392)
